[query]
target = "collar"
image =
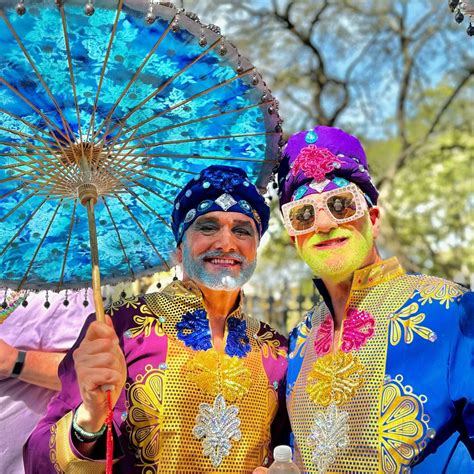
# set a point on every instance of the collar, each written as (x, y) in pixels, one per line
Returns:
(366, 277)
(189, 290)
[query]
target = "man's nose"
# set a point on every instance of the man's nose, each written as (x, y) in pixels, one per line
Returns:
(323, 222)
(225, 241)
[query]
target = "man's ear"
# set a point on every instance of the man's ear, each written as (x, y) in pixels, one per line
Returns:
(179, 253)
(374, 214)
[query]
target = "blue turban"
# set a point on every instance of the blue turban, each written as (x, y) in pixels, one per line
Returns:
(218, 188)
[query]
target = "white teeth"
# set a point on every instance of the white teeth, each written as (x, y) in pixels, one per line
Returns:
(223, 261)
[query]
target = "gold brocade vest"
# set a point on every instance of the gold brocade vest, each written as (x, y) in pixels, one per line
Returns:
(163, 431)
(361, 391)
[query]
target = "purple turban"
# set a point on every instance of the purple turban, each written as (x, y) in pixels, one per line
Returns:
(322, 159)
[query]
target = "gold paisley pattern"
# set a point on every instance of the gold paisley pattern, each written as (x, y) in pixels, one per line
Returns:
(217, 373)
(145, 416)
(439, 290)
(145, 321)
(402, 426)
(335, 377)
(52, 449)
(300, 347)
(130, 302)
(270, 345)
(406, 323)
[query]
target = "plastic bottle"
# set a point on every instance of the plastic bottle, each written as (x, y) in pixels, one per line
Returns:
(283, 461)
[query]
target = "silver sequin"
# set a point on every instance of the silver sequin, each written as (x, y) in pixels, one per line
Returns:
(329, 434)
(217, 425)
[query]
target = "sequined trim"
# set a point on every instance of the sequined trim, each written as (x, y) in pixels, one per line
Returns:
(194, 331)
(335, 377)
(215, 372)
(217, 425)
(328, 436)
(237, 343)
(376, 274)
(358, 328)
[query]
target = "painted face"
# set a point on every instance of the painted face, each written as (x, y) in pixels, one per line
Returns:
(219, 250)
(334, 252)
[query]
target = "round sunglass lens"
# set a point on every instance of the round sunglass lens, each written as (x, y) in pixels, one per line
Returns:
(302, 217)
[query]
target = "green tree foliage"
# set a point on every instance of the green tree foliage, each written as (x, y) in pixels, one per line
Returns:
(399, 75)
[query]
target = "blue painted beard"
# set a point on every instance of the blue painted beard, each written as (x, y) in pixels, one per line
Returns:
(223, 279)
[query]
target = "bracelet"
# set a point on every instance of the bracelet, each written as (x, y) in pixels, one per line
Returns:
(19, 364)
(84, 436)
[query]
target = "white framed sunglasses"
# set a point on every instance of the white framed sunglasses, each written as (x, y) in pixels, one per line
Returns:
(341, 205)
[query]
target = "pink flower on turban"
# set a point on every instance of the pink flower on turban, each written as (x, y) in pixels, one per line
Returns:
(315, 162)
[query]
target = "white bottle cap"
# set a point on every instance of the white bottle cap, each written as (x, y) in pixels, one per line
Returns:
(282, 453)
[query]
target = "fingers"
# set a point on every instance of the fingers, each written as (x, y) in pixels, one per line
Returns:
(99, 330)
(93, 380)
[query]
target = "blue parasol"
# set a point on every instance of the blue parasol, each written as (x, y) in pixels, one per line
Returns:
(107, 109)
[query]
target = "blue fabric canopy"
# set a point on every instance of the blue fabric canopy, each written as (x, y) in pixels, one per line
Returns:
(144, 105)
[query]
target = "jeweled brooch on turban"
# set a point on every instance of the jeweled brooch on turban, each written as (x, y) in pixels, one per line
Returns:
(315, 162)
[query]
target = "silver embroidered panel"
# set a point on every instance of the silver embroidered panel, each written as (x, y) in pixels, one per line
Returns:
(329, 434)
(217, 425)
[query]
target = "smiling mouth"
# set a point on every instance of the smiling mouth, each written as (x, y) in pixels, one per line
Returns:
(331, 243)
(223, 261)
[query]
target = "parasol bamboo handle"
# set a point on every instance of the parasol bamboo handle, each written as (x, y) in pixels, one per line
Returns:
(98, 303)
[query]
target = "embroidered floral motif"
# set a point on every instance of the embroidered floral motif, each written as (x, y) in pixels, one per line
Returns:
(217, 425)
(439, 290)
(407, 321)
(358, 327)
(221, 179)
(193, 330)
(269, 343)
(300, 332)
(215, 372)
(128, 302)
(145, 415)
(237, 340)
(402, 426)
(335, 377)
(328, 435)
(315, 162)
(145, 323)
(324, 337)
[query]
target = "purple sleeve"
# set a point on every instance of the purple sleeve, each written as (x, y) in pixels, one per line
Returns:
(39, 454)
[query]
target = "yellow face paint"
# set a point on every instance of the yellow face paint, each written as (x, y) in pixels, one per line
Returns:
(337, 262)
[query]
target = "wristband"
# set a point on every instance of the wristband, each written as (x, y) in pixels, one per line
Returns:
(84, 436)
(19, 364)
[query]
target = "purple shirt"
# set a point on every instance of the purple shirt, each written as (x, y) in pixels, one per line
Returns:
(33, 328)
(173, 375)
